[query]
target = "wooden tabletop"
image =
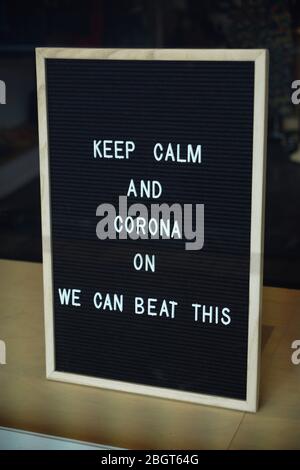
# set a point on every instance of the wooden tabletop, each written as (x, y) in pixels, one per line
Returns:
(29, 401)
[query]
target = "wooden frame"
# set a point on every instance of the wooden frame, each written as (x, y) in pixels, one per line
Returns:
(260, 58)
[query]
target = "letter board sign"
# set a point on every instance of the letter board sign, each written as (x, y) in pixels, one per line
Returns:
(152, 185)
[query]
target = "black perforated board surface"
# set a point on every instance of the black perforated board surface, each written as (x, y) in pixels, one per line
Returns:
(197, 102)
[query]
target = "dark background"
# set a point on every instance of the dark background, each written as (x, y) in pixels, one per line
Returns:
(148, 23)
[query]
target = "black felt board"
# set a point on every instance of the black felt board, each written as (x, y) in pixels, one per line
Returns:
(197, 102)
